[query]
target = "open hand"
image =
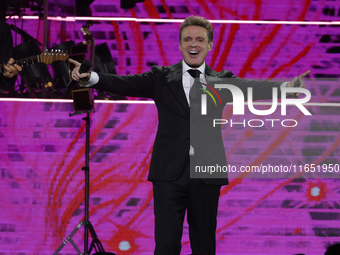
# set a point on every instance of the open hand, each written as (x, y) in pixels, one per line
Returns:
(298, 82)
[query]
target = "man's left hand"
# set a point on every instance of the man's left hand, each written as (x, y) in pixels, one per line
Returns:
(299, 81)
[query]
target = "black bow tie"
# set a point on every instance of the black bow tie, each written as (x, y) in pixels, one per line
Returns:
(194, 73)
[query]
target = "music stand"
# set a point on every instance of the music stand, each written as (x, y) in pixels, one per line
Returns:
(83, 103)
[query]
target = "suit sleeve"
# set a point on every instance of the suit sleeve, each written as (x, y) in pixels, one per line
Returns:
(6, 45)
(6, 49)
(139, 85)
(261, 90)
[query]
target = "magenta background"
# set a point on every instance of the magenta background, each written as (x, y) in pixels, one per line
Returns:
(42, 148)
(42, 152)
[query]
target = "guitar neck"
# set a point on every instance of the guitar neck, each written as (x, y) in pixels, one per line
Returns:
(45, 57)
(23, 62)
(27, 61)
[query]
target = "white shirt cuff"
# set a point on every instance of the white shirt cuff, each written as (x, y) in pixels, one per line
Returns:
(94, 78)
(283, 85)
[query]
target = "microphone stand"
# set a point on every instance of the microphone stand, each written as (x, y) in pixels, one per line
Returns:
(96, 244)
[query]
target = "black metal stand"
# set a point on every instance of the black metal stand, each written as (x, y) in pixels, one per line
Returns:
(96, 244)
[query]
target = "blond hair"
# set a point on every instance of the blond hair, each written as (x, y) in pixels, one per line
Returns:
(197, 21)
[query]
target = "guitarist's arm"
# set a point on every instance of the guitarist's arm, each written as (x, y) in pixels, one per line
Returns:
(11, 70)
(6, 49)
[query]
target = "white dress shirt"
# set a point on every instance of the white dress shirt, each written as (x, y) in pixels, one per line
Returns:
(188, 81)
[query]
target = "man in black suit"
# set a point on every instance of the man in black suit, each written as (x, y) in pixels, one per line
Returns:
(174, 191)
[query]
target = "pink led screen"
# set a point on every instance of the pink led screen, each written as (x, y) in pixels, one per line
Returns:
(42, 152)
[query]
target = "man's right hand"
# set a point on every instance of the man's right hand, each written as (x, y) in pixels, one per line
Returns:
(75, 72)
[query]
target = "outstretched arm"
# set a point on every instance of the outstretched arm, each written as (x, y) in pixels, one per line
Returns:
(139, 85)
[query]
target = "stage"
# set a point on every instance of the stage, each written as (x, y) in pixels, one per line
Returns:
(284, 190)
(42, 195)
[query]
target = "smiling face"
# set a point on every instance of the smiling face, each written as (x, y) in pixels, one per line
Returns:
(194, 45)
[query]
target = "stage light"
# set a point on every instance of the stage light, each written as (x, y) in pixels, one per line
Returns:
(128, 4)
(83, 7)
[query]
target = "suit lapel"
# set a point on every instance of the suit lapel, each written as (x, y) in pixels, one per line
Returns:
(175, 83)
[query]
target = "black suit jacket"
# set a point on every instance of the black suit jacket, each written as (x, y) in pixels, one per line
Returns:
(164, 85)
(6, 48)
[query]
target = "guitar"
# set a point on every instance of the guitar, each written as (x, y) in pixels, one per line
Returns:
(47, 57)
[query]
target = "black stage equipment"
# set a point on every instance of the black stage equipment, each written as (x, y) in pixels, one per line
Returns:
(83, 7)
(95, 244)
(61, 71)
(128, 4)
(104, 63)
(25, 37)
(36, 76)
